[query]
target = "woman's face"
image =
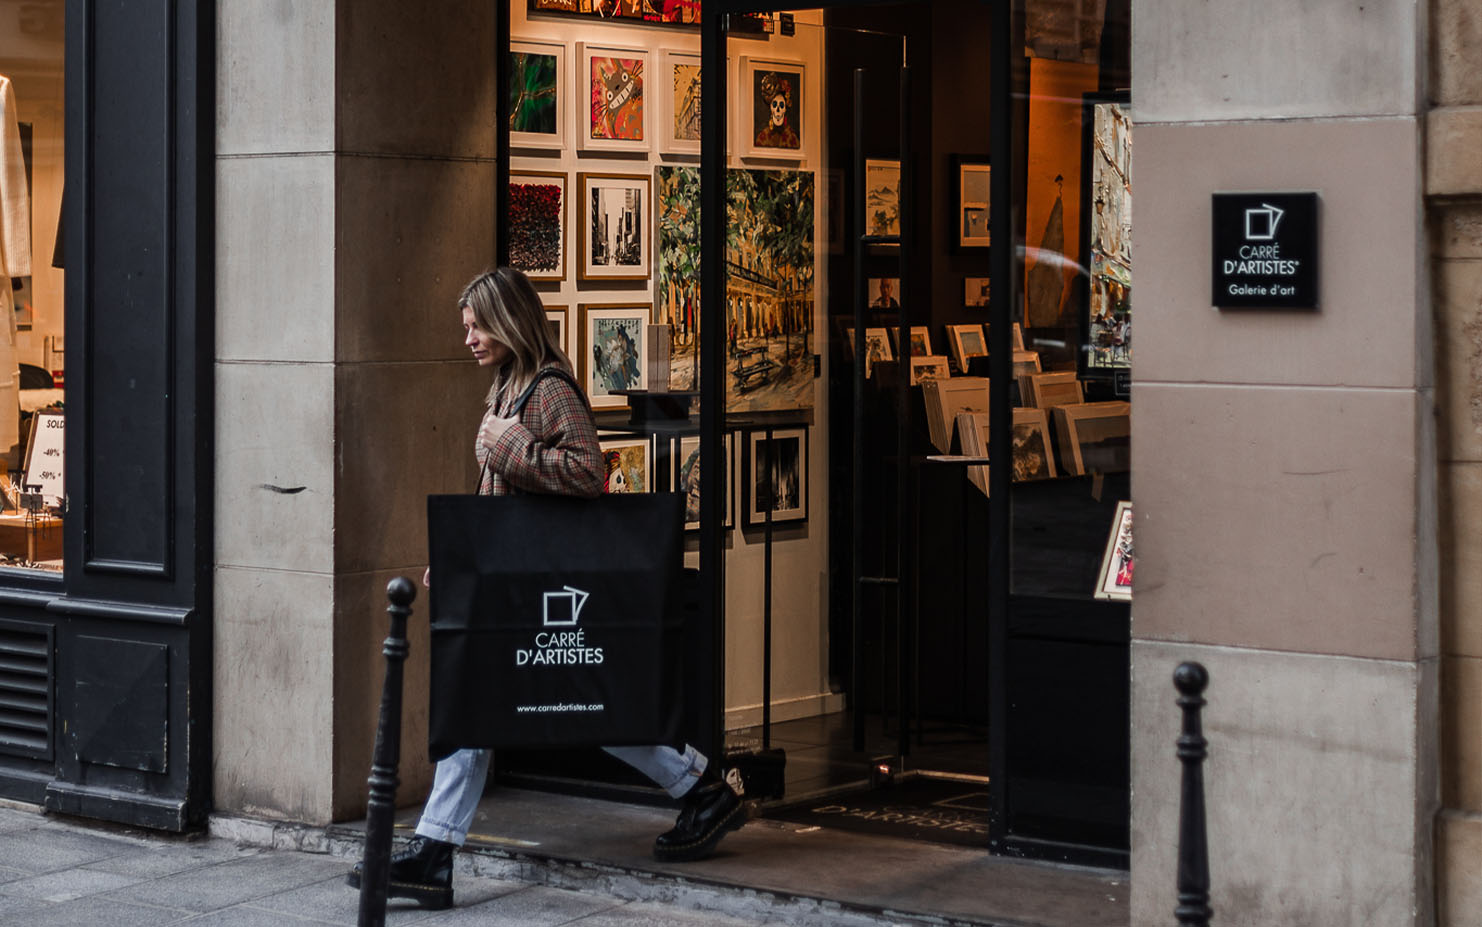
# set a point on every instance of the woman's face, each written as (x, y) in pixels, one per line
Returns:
(487, 350)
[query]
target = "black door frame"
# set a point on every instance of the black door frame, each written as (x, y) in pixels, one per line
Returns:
(129, 620)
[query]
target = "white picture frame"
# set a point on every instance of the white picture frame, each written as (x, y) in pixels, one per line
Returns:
(553, 138)
(678, 93)
(629, 464)
(526, 247)
(616, 330)
(786, 477)
(1114, 581)
(764, 85)
(604, 202)
(613, 92)
(685, 449)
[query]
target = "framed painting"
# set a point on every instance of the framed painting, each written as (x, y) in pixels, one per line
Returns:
(687, 478)
(965, 341)
(535, 79)
(882, 219)
(975, 295)
(772, 122)
(775, 476)
(877, 346)
(651, 12)
(613, 351)
(973, 176)
(1030, 447)
(537, 207)
(928, 367)
(629, 463)
(1115, 581)
(679, 102)
(614, 223)
(613, 85)
(882, 293)
(677, 273)
(920, 341)
(944, 399)
(558, 318)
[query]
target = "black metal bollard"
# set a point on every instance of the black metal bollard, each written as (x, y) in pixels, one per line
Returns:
(1193, 843)
(379, 819)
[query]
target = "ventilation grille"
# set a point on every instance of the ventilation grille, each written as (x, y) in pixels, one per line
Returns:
(25, 692)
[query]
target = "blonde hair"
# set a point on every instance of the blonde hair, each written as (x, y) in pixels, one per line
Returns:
(506, 306)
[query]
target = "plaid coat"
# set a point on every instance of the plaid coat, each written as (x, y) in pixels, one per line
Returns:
(551, 449)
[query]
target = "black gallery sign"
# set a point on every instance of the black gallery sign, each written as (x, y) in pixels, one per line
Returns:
(1265, 250)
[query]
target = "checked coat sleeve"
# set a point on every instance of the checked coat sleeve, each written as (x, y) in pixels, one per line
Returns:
(552, 449)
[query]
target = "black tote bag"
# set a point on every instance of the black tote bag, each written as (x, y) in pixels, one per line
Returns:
(556, 621)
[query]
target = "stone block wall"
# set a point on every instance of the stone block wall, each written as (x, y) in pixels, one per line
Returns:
(1453, 208)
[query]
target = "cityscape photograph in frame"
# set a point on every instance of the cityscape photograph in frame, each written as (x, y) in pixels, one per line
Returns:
(613, 85)
(615, 226)
(776, 476)
(973, 178)
(614, 351)
(679, 98)
(536, 73)
(536, 209)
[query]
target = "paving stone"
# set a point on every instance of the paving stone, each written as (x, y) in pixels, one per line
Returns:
(15, 819)
(334, 901)
(42, 849)
(640, 914)
(247, 916)
(89, 911)
(530, 907)
(165, 859)
(10, 875)
(67, 884)
(233, 882)
(13, 905)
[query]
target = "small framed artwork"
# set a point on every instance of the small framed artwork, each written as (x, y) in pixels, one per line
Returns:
(772, 121)
(613, 351)
(920, 341)
(1031, 455)
(882, 219)
(679, 102)
(629, 463)
(972, 202)
(776, 476)
(944, 399)
(877, 347)
(558, 319)
(929, 367)
(976, 295)
(1058, 388)
(535, 76)
(1115, 582)
(882, 292)
(615, 226)
(536, 209)
(687, 478)
(965, 341)
(613, 83)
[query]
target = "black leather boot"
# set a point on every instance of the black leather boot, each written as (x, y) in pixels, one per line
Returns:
(423, 872)
(710, 811)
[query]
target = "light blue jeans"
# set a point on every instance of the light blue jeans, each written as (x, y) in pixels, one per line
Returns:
(459, 784)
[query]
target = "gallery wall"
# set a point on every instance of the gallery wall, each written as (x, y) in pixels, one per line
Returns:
(800, 590)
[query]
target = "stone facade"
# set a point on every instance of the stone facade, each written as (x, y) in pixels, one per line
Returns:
(1453, 211)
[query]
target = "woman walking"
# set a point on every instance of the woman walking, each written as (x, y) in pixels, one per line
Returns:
(548, 445)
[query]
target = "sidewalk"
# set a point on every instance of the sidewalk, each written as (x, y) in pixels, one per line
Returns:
(61, 872)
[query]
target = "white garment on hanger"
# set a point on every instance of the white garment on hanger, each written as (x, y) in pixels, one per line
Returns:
(15, 258)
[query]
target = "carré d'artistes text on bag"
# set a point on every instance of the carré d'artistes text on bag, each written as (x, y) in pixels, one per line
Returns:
(555, 620)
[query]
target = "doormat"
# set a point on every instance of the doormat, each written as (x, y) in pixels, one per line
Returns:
(938, 810)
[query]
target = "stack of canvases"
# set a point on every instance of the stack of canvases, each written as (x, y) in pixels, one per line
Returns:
(604, 134)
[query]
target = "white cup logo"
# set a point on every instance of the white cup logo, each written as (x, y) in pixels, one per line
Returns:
(563, 609)
(1260, 224)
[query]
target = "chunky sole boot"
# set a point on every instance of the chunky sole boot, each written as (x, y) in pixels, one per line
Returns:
(423, 872)
(710, 812)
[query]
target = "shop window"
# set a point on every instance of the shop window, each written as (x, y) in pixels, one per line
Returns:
(32, 342)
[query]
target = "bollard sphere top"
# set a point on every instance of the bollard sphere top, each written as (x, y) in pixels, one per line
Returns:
(401, 591)
(1190, 678)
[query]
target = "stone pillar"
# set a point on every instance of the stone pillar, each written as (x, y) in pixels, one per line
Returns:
(1283, 468)
(355, 196)
(1453, 186)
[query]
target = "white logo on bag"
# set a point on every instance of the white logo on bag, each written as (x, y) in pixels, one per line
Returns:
(567, 607)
